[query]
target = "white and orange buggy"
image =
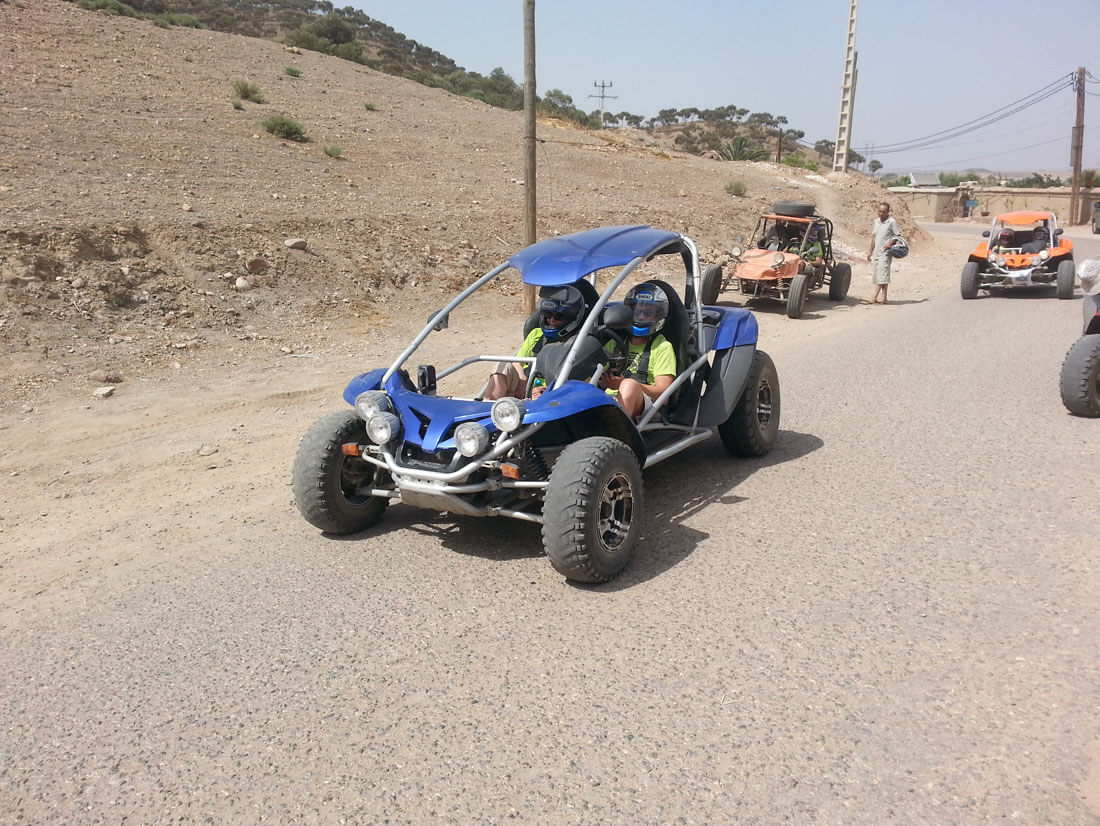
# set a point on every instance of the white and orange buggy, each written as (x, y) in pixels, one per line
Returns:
(1020, 249)
(772, 266)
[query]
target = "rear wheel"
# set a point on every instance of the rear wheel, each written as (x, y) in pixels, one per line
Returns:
(839, 281)
(752, 427)
(796, 295)
(1080, 379)
(592, 511)
(712, 284)
(325, 480)
(971, 280)
(1095, 228)
(1066, 273)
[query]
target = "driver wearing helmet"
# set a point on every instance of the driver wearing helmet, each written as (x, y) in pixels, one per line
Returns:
(1006, 239)
(651, 359)
(813, 256)
(561, 313)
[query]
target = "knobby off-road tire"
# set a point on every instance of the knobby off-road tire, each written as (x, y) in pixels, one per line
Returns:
(794, 209)
(839, 282)
(1066, 275)
(753, 426)
(796, 296)
(971, 280)
(324, 479)
(593, 508)
(711, 284)
(1080, 381)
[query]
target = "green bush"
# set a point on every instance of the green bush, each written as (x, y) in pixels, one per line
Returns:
(292, 71)
(736, 188)
(170, 19)
(800, 161)
(333, 151)
(283, 127)
(370, 107)
(248, 91)
(238, 105)
(109, 7)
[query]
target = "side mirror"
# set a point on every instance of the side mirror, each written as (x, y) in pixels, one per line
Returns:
(985, 234)
(443, 322)
(1058, 231)
(425, 379)
(618, 317)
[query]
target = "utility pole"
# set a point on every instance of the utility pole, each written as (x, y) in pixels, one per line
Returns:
(529, 138)
(1076, 142)
(602, 87)
(847, 94)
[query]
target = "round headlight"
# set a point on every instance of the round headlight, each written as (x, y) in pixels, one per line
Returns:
(1035, 259)
(507, 414)
(1044, 255)
(1000, 261)
(383, 428)
(471, 439)
(372, 402)
(736, 252)
(779, 259)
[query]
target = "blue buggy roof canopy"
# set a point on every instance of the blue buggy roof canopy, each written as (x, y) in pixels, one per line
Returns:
(568, 258)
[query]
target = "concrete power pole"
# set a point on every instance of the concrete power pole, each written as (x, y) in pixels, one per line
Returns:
(602, 87)
(1076, 144)
(847, 94)
(529, 138)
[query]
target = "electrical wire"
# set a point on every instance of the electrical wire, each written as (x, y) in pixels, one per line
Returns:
(942, 164)
(978, 123)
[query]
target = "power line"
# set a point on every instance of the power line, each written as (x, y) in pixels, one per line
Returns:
(978, 123)
(941, 164)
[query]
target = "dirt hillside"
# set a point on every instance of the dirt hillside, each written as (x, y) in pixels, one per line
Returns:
(146, 219)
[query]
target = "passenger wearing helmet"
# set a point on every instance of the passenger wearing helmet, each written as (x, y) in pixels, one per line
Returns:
(812, 254)
(561, 313)
(651, 359)
(1040, 240)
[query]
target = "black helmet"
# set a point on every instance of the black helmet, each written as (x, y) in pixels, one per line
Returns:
(1040, 233)
(1007, 238)
(816, 231)
(650, 306)
(566, 302)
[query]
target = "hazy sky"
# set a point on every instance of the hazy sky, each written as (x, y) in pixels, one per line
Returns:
(925, 66)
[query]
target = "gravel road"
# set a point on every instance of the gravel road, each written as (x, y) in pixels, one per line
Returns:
(890, 619)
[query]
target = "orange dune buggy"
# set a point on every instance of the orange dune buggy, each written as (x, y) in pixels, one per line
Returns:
(1021, 249)
(770, 268)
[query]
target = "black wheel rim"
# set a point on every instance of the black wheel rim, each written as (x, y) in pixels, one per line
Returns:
(355, 474)
(764, 403)
(616, 512)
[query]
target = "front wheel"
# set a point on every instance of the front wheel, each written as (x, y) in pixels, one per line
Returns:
(971, 280)
(753, 426)
(327, 483)
(1066, 273)
(593, 508)
(1080, 380)
(712, 284)
(796, 295)
(839, 281)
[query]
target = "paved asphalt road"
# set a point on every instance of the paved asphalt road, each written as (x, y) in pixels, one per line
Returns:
(893, 618)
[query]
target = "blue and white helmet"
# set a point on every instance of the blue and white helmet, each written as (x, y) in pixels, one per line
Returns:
(900, 249)
(565, 302)
(650, 307)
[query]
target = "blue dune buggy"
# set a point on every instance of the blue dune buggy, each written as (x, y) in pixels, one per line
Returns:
(571, 459)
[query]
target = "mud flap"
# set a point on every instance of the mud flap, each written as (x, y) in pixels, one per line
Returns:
(725, 382)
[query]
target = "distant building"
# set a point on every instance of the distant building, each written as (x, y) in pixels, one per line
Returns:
(924, 179)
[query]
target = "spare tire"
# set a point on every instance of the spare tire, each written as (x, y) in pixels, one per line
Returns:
(793, 209)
